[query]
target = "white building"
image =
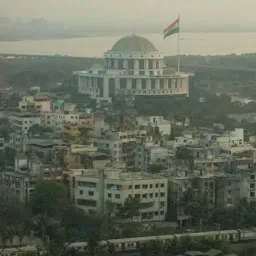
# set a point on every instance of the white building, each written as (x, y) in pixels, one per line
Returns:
(163, 125)
(93, 189)
(23, 121)
(132, 67)
(230, 138)
(147, 153)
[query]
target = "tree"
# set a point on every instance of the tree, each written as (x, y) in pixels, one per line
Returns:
(49, 198)
(154, 248)
(14, 221)
(130, 209)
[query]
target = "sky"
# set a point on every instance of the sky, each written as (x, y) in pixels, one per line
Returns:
(97, 12)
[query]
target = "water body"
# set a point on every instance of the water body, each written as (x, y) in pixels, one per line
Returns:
(190, 44)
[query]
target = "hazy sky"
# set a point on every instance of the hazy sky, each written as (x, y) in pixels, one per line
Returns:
(133, 11)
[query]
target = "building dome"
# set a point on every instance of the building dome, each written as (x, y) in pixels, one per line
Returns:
(133, 43)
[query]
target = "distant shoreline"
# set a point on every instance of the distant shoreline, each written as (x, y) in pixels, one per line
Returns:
(110, 35)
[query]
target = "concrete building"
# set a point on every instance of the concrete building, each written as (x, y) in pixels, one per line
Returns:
(70, 130)
(119, 144)
(56, 120)
(148, 153)
(230, 138)
(94, 188)
(248, 185)
(16, 185)
(159, 122)
(37, 103)
(132, 67)
(23, 121)
(217, 188)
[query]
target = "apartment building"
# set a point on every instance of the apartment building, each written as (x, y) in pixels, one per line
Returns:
(70, 130)
(119, 144)
(248, 185)
(148, 152)
(56, 120)
(37, 103)
(217, 188)
(16, 185)
(22, 121)
(94, 188)
(164, 126)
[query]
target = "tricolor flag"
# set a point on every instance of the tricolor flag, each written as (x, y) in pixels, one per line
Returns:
(172, 29)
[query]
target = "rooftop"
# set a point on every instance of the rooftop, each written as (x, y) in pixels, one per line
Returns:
(120, 174)
(25, 114)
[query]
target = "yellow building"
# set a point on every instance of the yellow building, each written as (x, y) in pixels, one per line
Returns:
(70, 129)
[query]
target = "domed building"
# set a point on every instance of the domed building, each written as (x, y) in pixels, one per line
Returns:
(132, 67)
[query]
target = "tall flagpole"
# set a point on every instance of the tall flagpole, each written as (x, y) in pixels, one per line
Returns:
(179, 46)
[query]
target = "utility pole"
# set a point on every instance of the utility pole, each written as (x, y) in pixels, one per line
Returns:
(218, 226)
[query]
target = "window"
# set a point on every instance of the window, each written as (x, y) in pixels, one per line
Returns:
(162, 194)
(145, 186)
(162, 213)
(90, 193)
(143, 84)
(252, 186)
(137, 195)
(252, 177)
(151, 195)
(130, 186)
(161, 83)
(144, 195)
(156, 213)
(81, 192)
(85, 202)
(117, 195)
(252, 194)
(156, 194)
(229, 191)
(162, 185)
(162, 204)
(156, 185)
(151, 185)
(137, 186)
(134, 84)
(109, 195)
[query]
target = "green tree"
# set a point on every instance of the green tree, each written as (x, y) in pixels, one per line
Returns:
(49, 198)
(130, 209)
(152, 248)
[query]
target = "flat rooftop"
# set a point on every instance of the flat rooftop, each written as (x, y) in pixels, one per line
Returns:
(25, 114)
(121, 174)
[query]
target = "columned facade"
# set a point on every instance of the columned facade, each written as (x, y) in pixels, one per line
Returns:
(133, 66)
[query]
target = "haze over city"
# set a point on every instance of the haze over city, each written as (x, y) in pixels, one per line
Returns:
(63, 18)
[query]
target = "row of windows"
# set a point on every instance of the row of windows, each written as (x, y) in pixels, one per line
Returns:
(149, 215)
(150, 195)
(162, 185)
(130, 64)
(171, 83)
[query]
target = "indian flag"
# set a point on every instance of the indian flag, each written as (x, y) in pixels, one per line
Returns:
(172, 29)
